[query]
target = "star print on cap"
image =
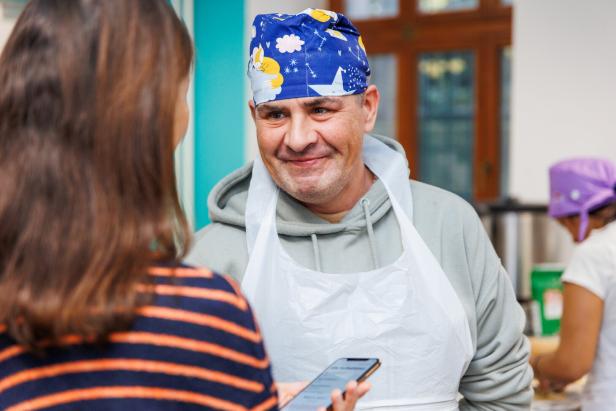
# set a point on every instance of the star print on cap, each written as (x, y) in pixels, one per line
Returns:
(309, 54)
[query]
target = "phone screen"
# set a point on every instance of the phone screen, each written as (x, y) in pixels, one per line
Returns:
(318, 392)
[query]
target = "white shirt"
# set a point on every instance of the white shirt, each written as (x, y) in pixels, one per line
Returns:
(593, 266)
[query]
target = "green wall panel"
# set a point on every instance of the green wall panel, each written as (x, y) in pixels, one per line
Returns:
(220, 102)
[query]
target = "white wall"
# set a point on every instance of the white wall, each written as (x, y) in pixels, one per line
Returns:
(6, 25)
(254, 7)
(564, 88)
(5, 29)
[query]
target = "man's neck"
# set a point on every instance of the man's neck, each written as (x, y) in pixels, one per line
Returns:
(334, 217)
(334, 211)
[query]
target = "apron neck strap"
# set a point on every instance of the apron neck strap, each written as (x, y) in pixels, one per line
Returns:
(392, 169)
(262, 198)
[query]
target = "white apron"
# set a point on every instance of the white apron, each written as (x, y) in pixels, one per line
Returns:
(406, 314)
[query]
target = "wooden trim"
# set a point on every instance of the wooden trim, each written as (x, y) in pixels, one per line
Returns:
(486, 149)
(407, 108)
(336, 5)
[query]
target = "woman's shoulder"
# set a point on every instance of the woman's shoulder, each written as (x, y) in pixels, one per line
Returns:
(593, 263)
(188, 275)
(199, 290)
(600, 242)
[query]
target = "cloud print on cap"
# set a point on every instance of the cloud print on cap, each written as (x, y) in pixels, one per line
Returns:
(289, 43)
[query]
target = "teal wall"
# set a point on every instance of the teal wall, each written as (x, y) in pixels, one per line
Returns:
(220, 103)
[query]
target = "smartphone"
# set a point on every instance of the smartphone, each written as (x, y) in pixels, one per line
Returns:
(337, 375)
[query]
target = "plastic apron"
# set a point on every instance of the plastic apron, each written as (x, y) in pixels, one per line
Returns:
(407, 314)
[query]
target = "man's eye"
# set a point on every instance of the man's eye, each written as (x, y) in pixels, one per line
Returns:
(275, 115)
(320, 110)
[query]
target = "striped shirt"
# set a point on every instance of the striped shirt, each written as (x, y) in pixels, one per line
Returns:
(195, 347)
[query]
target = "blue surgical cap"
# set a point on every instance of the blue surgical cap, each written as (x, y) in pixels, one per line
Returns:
(309, 54)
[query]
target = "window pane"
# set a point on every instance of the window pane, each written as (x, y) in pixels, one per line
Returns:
(370, 9)
(507, 2)
(439, 6)
(505, 115)
(446, 120)
(384, 75)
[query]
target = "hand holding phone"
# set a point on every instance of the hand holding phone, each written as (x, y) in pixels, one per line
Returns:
(326, 389)
(352, 393)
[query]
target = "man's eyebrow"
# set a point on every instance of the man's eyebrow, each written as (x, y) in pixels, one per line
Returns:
(268, 107)
(320, 101)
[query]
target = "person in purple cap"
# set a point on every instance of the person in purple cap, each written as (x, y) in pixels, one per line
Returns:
(341, 255)
(583, 200)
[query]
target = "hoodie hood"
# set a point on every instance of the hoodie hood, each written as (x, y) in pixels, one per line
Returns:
(227, 205)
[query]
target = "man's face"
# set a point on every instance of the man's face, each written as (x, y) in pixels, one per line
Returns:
(312, 147)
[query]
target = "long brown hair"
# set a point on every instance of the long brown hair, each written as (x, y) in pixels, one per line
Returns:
(88, 198)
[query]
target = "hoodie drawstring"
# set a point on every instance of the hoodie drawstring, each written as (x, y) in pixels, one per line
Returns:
(371, 240)
(317, 255)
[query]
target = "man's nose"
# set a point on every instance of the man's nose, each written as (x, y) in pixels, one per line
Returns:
(300, 134)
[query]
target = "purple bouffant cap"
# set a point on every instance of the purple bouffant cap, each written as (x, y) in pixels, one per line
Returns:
(580, 185)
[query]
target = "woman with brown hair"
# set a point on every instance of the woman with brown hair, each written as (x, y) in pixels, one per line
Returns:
(96, 311)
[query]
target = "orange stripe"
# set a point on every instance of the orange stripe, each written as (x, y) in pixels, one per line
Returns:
(200, 319)
(194, 292)
(16, 350)
(267, 404)
(190, 345)
(159, 340)
(233, 285)
(71, 339)
(181, 272)
(10, 352)
(129, 365)
(125, 392)
(2, 328)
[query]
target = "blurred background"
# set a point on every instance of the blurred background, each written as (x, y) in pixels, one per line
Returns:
(483, 94)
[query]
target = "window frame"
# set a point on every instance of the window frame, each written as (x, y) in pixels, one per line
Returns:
(484, 31)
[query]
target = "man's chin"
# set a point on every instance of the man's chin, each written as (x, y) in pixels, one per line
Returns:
(311, 189)
(303, 193)
(302, 183)
(311, 194)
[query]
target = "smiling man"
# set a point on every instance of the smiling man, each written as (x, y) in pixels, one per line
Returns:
(341, 255)
(312, 149)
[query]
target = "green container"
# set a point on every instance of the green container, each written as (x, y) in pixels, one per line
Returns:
(547, 292)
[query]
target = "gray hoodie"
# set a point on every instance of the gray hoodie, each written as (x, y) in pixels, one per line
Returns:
(368, 237)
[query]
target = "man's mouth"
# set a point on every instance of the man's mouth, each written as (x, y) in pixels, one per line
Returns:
(306, 162)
